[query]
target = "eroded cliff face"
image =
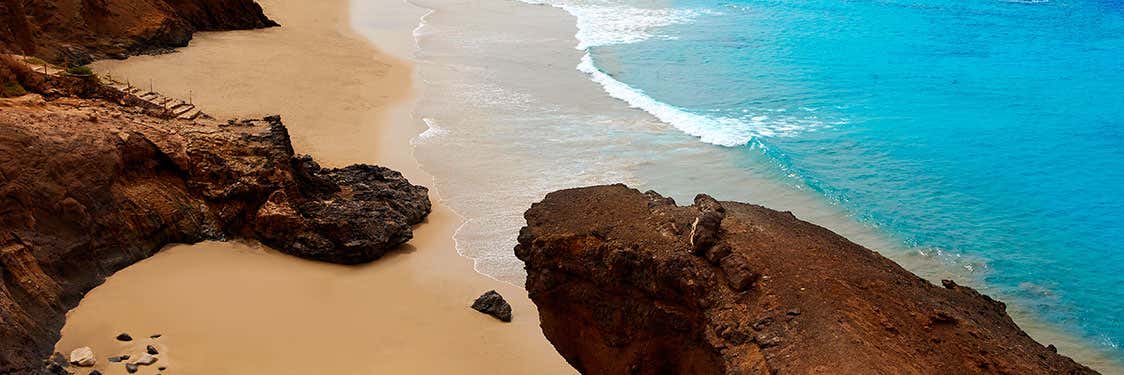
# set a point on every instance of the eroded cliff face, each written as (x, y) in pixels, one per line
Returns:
(630, 283)
(78, 31)
(88, 187)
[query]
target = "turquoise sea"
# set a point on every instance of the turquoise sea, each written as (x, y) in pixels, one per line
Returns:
(988, 133)
(977, 140)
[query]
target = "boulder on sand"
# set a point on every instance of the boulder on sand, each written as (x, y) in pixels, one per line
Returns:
(492, 303)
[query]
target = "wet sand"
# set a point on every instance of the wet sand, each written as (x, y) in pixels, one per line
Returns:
(239, 308)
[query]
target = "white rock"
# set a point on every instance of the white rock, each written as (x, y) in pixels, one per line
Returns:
(83, 356)
(146, 360)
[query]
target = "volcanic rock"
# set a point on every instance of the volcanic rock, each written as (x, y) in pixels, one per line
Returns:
(79, 31)
(82, 199)
(56, 364)
(704, 230)
(492, 303)
(617, 294)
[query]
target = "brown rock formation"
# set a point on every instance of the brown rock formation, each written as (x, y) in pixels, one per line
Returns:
(630, 283)
(88, 187)
(78, 31)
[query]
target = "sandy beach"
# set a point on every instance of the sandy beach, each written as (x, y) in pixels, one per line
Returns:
(238, 308)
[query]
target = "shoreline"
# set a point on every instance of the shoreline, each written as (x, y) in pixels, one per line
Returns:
(395, 314)
(377, 39)
(392, 137)
(933, 268)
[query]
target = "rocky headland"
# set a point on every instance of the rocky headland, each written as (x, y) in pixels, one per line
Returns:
(90, 183)
(79, 31)
(631, 283)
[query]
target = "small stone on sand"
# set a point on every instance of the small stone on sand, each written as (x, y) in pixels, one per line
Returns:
(146, 359)
(83, 356)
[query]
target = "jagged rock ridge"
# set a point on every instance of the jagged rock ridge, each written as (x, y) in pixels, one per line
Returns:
(629, 283)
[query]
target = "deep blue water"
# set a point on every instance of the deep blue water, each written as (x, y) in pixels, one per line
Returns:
(985, 129)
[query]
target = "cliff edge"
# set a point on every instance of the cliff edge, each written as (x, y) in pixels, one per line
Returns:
(90, 186)
(630, 283)
(79, 31)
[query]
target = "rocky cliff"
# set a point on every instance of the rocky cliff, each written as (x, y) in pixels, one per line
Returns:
(630, 283)
(78, 31)
(88, 186)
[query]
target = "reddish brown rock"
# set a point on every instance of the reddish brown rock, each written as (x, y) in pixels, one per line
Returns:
(78, 31)
(88, 187)
(619, 293)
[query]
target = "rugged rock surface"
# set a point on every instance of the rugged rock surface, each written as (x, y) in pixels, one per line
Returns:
(626, 283)
(88, 187)
(492, 303)
(78, 31)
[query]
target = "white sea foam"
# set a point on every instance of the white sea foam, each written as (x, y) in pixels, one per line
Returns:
(722, 131)
(431, 132)
(602, 23)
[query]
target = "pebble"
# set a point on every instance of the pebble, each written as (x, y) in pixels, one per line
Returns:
(124, 337)
(151, 350)
(146, 359)
(95, 372)
(119, 358)
(83, 356)
(131, 367)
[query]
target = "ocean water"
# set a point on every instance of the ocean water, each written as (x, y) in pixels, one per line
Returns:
(976, 140)
(990, 129)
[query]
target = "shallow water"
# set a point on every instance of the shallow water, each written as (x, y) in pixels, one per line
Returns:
(976, 141)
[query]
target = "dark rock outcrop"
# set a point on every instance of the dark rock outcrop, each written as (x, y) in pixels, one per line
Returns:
(623, 287)
(492, 303)
(88, 187)
(79, 31)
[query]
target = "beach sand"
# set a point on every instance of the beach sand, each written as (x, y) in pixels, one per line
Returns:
(240, 308)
